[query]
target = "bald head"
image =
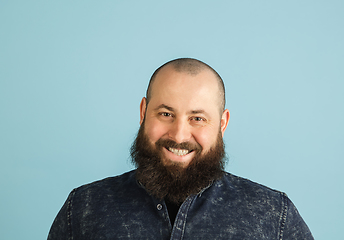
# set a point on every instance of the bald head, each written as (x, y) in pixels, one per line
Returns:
(193, 67)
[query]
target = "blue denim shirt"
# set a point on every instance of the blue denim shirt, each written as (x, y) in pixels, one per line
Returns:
(231, 208)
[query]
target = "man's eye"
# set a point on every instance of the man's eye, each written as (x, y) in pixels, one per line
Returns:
(165, 114)
(198, 119)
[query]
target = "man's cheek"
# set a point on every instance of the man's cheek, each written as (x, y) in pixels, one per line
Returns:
(155, 132)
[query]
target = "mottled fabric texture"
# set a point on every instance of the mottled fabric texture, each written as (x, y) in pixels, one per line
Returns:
(231, 208)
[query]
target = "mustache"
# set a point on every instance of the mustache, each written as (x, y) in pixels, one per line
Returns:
(168, 143)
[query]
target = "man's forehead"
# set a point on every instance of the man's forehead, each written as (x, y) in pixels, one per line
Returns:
(170, 84)
(168, 77)
(184, 95)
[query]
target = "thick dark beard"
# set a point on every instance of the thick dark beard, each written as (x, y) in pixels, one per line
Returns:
(172, 181)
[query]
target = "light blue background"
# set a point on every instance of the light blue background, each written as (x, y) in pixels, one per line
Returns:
(72, 74)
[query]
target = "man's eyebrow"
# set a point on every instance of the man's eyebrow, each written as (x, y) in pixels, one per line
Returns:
(197, 111)
(164, 106)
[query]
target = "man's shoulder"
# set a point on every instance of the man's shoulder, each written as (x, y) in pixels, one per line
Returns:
(247, 188)
(242, 196)
(109, 184)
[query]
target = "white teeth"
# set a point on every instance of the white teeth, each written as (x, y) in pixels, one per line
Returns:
(179, 152)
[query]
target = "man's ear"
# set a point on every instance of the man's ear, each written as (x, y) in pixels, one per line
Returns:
(143, 106)
(224, 120)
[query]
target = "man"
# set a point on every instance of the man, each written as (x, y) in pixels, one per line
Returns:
(179, 189)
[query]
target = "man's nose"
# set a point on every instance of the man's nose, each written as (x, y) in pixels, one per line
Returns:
(180, 131)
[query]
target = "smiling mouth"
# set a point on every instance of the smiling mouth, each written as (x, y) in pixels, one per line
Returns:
(179, 152)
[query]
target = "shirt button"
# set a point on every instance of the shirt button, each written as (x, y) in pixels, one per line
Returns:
(159, 206)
